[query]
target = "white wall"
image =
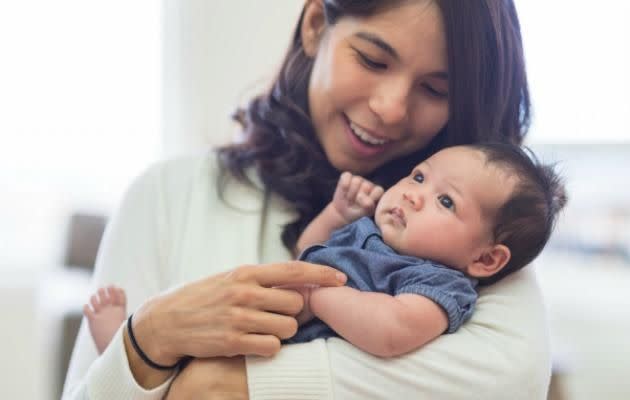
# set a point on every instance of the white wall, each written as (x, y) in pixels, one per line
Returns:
(578, 59)
(79, 88)
(79, 114)
(79, 105)
(216, 55)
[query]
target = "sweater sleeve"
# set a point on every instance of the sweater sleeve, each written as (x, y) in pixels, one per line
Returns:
(502, 352)
(130, 256)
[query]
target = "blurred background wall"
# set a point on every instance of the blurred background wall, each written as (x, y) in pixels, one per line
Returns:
(93, 92)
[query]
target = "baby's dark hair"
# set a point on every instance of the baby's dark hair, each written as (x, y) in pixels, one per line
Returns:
(526, 220)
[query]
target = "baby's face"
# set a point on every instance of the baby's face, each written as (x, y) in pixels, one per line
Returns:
(443, 211)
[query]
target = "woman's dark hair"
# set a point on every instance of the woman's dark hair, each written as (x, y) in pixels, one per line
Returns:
(488, 100)
(526, 220)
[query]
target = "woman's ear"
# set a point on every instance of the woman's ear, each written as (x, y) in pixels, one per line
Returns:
(491, 261)
(313, 24)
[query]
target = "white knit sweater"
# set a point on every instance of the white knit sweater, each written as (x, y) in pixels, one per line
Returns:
(172, 228)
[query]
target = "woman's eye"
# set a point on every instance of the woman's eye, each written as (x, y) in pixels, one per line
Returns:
(446, 202)
(434, 92)
(370, 63)
(418, 177)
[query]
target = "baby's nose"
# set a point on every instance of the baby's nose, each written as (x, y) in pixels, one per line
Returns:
(415, 199)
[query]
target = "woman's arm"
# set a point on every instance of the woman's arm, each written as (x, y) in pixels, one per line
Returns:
(131, 258)
(211, 378)
(501, 352)
(236, 312)
(378, 323)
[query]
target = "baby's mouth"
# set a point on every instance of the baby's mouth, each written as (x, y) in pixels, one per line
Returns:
(399, 215)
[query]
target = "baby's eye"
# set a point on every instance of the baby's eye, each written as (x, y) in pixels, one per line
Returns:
(418, 177)
(446, 202)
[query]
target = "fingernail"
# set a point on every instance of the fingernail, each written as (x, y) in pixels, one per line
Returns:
(341, 277)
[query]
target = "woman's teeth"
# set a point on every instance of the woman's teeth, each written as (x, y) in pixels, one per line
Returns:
(366, 137)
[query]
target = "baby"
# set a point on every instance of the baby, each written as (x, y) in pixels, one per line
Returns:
(468, 215)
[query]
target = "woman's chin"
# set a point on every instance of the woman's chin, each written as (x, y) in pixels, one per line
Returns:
(357, 167)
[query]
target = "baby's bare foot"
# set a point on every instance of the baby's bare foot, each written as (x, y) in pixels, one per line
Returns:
(106, 311)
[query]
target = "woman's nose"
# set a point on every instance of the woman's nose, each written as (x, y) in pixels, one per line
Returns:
(390, 102)
(414, 199)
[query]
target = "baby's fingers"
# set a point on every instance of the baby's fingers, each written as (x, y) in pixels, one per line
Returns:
(355, 186)
(344, 183)
(376, 193)
(366, 187)
(369, 195)
(366, 203)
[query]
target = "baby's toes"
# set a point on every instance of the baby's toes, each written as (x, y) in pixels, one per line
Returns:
(96, 303)
(88, 312)
(111, 295)
(118, 296)
(103, 294)
(122, 297)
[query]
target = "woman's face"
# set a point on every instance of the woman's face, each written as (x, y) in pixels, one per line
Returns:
(379, 86)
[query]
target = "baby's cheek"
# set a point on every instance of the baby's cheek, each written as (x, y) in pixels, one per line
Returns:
(413, 245)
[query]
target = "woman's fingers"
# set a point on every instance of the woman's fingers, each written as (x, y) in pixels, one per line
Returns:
(276, 300)
(260, 345)
(280, 300)
(260, 322)
(243, 311)
(289, 273)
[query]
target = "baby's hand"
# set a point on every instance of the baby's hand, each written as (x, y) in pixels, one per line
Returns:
(355, 197)
(306, 314)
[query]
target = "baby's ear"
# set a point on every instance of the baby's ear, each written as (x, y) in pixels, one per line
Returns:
(491, 261)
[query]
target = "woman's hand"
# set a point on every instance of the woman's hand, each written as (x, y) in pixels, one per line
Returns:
(211, 379)
(238, 312)
(306, 314)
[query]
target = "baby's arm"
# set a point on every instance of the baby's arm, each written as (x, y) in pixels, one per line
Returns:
(378, 323)
(354, 197)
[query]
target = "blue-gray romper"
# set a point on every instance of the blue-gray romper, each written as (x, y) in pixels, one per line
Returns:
(358, 250)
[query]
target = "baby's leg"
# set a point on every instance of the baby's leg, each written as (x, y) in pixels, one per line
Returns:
(106, 311)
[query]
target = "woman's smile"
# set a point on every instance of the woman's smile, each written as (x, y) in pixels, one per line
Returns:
(363, 143)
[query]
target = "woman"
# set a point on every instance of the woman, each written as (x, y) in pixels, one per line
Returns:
(367, 86)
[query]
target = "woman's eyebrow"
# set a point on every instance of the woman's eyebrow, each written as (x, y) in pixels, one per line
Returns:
(377, 41)
(439, 75)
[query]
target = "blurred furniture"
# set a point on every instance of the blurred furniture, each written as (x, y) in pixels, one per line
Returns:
(82, 241)
(83, 238)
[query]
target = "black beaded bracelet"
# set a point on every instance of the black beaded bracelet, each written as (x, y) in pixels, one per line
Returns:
(141, 353)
